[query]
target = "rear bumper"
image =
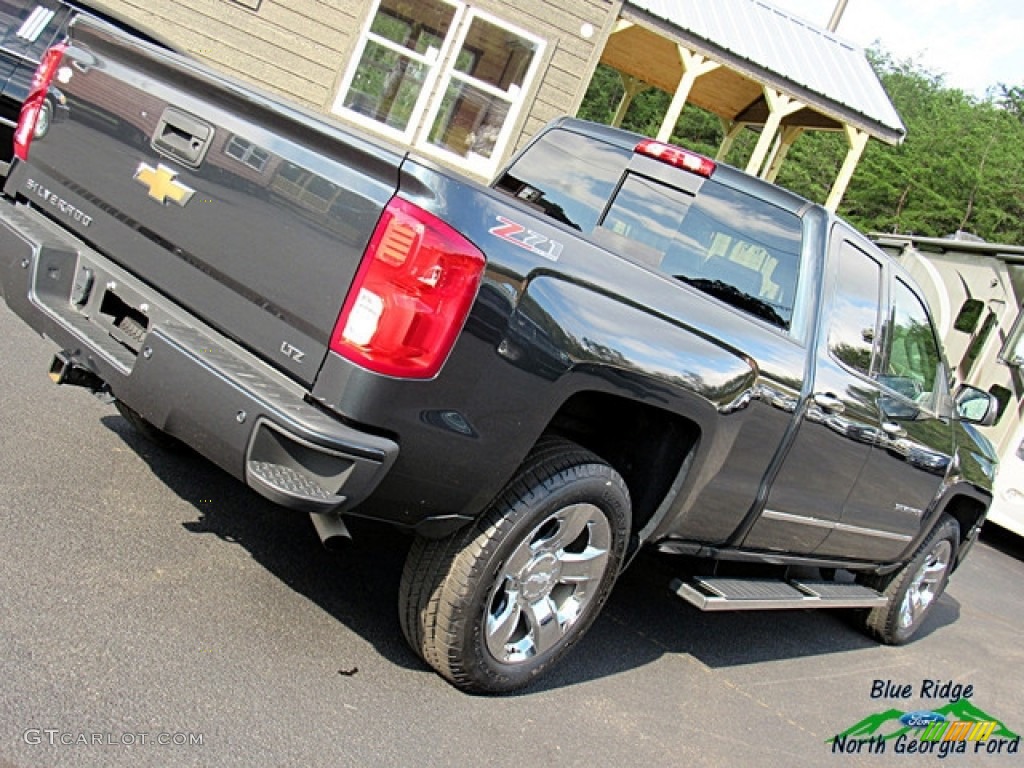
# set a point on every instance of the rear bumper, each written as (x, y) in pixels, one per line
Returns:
(183, 376)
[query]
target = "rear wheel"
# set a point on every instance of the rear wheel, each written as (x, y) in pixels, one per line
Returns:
(500, 602)
(914, 589)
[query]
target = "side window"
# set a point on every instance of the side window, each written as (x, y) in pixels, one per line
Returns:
(913, 363)
(735, 247)
(853, 321)
(539, 177)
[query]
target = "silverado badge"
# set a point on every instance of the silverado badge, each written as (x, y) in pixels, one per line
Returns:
(163, 185)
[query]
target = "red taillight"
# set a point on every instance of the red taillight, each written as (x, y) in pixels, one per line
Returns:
(44, 75)
(411, 295)
(677, 156)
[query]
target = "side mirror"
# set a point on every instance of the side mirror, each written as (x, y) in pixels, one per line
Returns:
(976, 406)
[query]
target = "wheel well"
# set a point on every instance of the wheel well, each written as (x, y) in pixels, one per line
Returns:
(645, 445)
(966, 511)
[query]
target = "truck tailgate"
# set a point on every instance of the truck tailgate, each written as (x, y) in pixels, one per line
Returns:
(249, 213)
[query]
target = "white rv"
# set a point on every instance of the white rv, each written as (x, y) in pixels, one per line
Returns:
(976, 290)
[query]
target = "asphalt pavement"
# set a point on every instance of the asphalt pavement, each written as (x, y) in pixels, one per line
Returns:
(155, 612)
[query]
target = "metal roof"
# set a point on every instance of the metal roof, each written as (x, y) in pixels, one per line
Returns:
(797, 51)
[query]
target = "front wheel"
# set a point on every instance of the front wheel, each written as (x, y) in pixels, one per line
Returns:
(498, 603)
(914, 589)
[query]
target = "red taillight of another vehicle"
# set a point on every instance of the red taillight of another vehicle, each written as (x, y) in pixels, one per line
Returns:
(30, 108)
(411, 295)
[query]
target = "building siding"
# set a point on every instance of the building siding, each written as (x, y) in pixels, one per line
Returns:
(301, 49)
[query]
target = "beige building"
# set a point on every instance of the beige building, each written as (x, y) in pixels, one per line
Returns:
(463, 82)
(467, 82)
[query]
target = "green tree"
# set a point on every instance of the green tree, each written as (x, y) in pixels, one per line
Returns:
(1011, 98)
(961, 166)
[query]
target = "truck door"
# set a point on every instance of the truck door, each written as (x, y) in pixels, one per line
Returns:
(841, 421)
(910, 459)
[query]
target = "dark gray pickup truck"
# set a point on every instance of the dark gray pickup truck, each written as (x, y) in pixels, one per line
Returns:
(620, 344)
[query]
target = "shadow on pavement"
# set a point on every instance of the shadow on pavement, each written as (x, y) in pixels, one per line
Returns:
(1005, 541)
(358, 586)
(644, 620)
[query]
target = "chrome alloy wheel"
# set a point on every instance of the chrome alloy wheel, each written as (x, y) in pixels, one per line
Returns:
(927, 584)
(547, 583)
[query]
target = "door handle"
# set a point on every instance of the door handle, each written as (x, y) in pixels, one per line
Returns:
(182, 137)
(829, 402)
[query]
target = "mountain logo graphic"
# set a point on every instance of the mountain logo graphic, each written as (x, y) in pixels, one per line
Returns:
(893, 723)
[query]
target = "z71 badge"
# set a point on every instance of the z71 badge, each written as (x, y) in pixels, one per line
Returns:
(534, 242)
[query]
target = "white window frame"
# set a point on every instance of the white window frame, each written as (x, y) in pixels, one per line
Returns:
(433, 64)
(515, 97)
(249, 153)
(441, 72)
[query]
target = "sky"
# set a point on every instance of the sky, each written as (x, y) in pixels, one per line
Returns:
(975, 44)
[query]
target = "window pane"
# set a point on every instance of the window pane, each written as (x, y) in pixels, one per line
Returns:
(237, 148)
(576, 199)
(469, 120)
(854, 316)
(755, 234)
(648, 213)
(912, 364)
(386, 86)
(723, 242)
(494, 55)
(416, 25)
(246, 152)
(388, 83)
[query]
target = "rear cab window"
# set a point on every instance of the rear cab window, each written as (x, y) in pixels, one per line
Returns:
(539, 177)
(736, 247)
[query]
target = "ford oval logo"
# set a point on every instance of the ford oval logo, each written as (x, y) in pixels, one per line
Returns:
(921, 718)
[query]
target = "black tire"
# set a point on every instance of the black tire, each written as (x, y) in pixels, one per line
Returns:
(914, 589)
(493, 606)
(145, 428)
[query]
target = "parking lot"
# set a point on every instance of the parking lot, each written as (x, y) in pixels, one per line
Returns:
(154, 612)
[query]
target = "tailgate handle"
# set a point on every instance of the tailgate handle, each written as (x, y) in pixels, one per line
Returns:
(182, 137)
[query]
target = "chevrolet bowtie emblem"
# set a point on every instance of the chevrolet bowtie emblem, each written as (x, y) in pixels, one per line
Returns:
(163, 185)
